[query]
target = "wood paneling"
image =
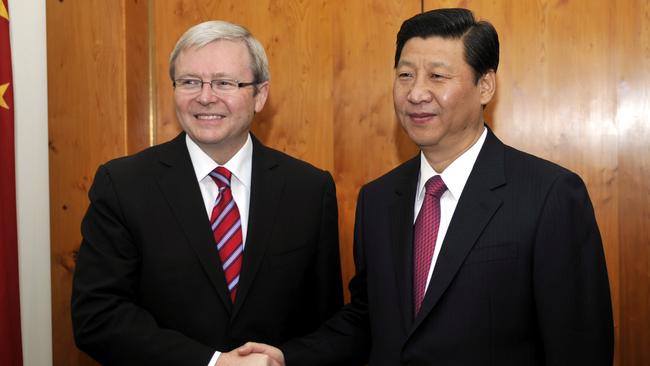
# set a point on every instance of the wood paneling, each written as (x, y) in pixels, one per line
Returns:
(573, 87)
(138, 88)
(630, 51)
(88, 77)
(368, 139)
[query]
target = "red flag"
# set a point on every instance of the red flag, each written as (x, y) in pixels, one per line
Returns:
(10, 342)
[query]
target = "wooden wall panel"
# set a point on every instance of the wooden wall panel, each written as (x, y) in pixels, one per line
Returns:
(368, 138)
(92, 118)
(631, 53)
(138, 88)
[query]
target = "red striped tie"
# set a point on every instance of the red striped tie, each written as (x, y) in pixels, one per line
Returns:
(426, 233)
(226, 226)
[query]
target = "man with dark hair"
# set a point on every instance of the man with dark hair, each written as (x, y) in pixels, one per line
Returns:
(471, 253)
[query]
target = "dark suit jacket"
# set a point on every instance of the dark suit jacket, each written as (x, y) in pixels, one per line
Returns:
(148, 287)
(520, 280)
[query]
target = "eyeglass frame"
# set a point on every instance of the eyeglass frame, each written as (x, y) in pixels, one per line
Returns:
(238, 83)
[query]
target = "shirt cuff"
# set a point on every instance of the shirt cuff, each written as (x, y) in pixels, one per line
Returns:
(213, 360)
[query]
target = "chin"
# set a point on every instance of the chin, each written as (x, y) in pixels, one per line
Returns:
(425, 141)
(206, 138)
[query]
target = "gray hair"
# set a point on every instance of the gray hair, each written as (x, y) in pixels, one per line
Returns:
(214, 30)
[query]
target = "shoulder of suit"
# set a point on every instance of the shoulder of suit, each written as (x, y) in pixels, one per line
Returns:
(140, 156)
(406, 171)
(141, 161)
(515, 159)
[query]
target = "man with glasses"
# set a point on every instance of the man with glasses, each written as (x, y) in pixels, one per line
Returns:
(192, 247)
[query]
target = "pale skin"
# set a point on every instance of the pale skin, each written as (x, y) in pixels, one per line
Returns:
(218, 122)
(273, 353)
(249, 358)
(438, 104)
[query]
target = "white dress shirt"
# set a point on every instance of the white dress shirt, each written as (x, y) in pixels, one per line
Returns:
(240, 165)
(455, 177)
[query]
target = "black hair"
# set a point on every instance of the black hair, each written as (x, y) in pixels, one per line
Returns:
(480, 39)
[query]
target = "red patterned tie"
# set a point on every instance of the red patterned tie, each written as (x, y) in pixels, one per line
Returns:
(226, 226)
(426, 232)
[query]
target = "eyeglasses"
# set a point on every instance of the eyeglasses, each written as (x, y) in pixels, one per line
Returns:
(192, 86)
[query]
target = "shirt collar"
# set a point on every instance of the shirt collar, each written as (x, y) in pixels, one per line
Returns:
(456, 174)
(240, 164)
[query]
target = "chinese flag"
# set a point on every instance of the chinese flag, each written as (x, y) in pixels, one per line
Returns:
(10, 343)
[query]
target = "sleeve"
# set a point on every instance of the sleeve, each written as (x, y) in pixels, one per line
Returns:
(344, 339)
(571, 287)
(108, 322)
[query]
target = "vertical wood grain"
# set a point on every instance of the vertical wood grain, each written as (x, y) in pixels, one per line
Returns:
(139, 134)
(368, 139)
(631, 54)
(88, 101)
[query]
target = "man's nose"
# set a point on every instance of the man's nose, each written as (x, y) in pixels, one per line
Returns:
(207, 95)
(420, 91)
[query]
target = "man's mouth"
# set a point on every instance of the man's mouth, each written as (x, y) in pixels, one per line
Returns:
(209, 116)
(421, 117)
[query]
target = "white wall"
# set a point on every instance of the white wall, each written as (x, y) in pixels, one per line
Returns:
(29, 62)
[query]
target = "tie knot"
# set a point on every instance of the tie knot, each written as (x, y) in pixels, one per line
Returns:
(221, 176)
(435, 186)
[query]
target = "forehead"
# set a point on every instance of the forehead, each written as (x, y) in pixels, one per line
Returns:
(433, 50)
(221, 57)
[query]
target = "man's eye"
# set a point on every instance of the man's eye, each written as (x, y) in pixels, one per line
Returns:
(404, 75)
(225, 83)
(190, 82)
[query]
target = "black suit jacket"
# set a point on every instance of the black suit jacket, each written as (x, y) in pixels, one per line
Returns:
(148, 287)
(520, 280)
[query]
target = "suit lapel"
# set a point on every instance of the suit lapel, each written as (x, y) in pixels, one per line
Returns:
(401, 231)
(477, 205)
(177, 181)
(267, 185)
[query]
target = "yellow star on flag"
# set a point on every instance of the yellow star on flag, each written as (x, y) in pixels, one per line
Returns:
(3, 10)
(3, 89)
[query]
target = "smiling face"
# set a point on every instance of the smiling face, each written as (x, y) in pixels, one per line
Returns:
(436, 99)
(218, 122)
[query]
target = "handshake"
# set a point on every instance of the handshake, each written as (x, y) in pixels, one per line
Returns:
(252, 354)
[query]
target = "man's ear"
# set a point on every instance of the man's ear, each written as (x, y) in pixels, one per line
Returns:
(261, 95)
(487, 85)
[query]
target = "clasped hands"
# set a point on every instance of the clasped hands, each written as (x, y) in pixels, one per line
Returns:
(252, 354)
